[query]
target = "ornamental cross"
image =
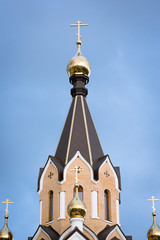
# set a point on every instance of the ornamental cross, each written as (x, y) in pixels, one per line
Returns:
(153, 200)
(107, 174)
(50, 175)
(7, 202)
(78, 24)
(77, 169)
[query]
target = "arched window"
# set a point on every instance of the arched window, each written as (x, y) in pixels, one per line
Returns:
(80, 192)
(107, 204)
(50, 205)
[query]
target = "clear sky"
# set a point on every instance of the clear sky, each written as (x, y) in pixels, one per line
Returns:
(122, 43)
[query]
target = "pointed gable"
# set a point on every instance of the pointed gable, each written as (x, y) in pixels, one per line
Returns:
(42, 230)
(76, 234)
(108, 230)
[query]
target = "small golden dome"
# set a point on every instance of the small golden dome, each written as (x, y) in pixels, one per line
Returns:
(5, 233)
(76, 207)
(154, 231)
(79, 65)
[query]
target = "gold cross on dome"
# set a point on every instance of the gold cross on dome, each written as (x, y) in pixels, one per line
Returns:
(153, 200)
(77, 169)
(7, 202)
(78, 24)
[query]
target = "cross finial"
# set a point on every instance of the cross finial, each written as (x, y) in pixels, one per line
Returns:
(77, 170)
(7, 202)
(153, 200)
(78, 24)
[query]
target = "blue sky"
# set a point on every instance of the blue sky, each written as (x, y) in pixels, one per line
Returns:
(122, 44)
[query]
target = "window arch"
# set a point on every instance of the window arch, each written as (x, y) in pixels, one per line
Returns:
(50, 205)
(80, 192)
(107, 204)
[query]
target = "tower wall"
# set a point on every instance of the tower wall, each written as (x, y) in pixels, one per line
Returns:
(107, 181)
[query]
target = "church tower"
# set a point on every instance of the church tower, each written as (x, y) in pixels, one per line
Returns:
(79, 187)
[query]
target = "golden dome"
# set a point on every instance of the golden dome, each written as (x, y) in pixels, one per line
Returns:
(5, 233)
(154, 231)
(76, 207)
(79, 65)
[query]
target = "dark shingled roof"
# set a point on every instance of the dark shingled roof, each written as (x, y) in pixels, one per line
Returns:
(129, 237)
(49, 230)
(105, 232)
(80, 135)
(75, 130)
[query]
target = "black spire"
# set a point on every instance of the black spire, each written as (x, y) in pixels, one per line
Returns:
(79, 133)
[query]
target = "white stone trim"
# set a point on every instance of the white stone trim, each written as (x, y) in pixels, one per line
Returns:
(49, 222)
(40, 212)
(38, 233)
(76, 236)
(90, 232)
(119, 232)
(62, 205)
(108, 221)
(118, 215)
(86, 128)
(78, 154)
(94, 204)
(113, 171)
(43, 174)
(84, 227)
(65, 233)
(77, 222)
(71, 129)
